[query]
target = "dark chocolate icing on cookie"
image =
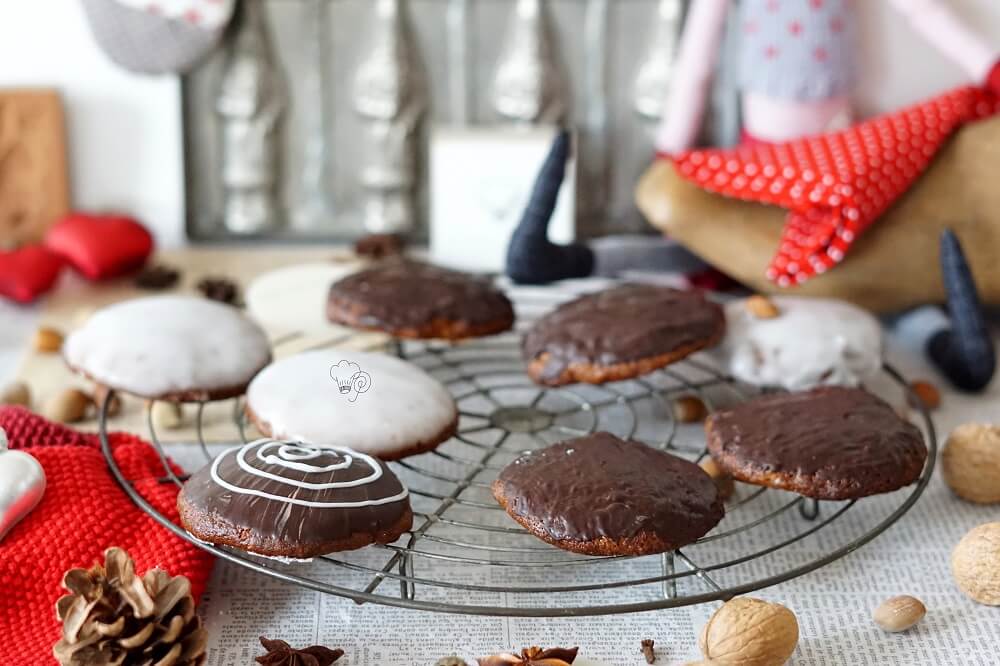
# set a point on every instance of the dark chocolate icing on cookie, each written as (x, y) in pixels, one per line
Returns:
(829, 442)
(621, 325)
(288, 493)
(600, 486)
(403, 294)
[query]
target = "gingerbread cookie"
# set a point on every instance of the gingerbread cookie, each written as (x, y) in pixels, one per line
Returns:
(174, 348)
(293, 298)
(620, 333)
(283, 499)
(409, 299)
(373, 403)
(831, 443)
(600, 495)
(812, 341)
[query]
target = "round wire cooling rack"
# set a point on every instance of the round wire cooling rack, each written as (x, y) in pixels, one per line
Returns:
(465, 555)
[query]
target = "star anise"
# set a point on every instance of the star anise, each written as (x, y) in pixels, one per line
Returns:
(533, 656)
(280, 653)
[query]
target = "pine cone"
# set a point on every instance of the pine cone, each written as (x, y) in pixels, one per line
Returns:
(114, 618)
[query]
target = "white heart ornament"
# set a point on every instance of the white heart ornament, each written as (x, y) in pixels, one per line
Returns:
(22, 484)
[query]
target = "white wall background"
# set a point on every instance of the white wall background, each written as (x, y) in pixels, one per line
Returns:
(125, 130)
(900, 67)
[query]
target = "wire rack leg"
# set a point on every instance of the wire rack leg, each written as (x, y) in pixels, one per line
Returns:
(670, 584)
(809, 508)
(699, 573)
(407, 590)
(170, 476)
(431, 519)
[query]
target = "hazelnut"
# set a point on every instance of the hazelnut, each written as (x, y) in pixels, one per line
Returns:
(926, 393)
(689, 409)
(101, 394)
(899, 613)
(971, 462)
(47, 340)
(69, 406)
(750, 631)
(975, 564)
(723, 481)
(450, 661)
(82, 315)
(15, 393)
(762, 307)
(167, 415)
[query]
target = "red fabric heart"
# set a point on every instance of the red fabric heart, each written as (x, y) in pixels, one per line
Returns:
(28, 272)
(83, 511)
(100, 246)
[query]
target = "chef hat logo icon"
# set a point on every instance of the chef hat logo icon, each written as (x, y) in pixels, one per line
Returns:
(351, 379)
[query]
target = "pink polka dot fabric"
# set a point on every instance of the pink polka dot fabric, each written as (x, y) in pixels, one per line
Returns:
(835, 185)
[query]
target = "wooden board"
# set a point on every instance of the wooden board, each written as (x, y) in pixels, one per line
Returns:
(34, 179)
(73, 302)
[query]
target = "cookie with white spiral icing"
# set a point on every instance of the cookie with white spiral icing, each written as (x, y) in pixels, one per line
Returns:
(284, 499)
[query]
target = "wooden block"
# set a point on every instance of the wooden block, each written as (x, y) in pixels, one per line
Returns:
(34, 180)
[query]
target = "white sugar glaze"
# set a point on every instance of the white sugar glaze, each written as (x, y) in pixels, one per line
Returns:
(299, 398)
(168, 344)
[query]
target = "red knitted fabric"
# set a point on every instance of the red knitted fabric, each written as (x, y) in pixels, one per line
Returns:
(83, 512)
(835, 185)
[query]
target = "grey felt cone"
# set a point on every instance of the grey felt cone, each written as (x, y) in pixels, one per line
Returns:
(964, 352)
(531, 257)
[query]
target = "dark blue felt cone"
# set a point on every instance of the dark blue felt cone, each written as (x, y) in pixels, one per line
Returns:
(531, 257)
(964, 352)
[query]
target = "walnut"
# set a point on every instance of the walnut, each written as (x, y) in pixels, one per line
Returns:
(971, 462)
(899, 613)
(975, 564)
(750, 632)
